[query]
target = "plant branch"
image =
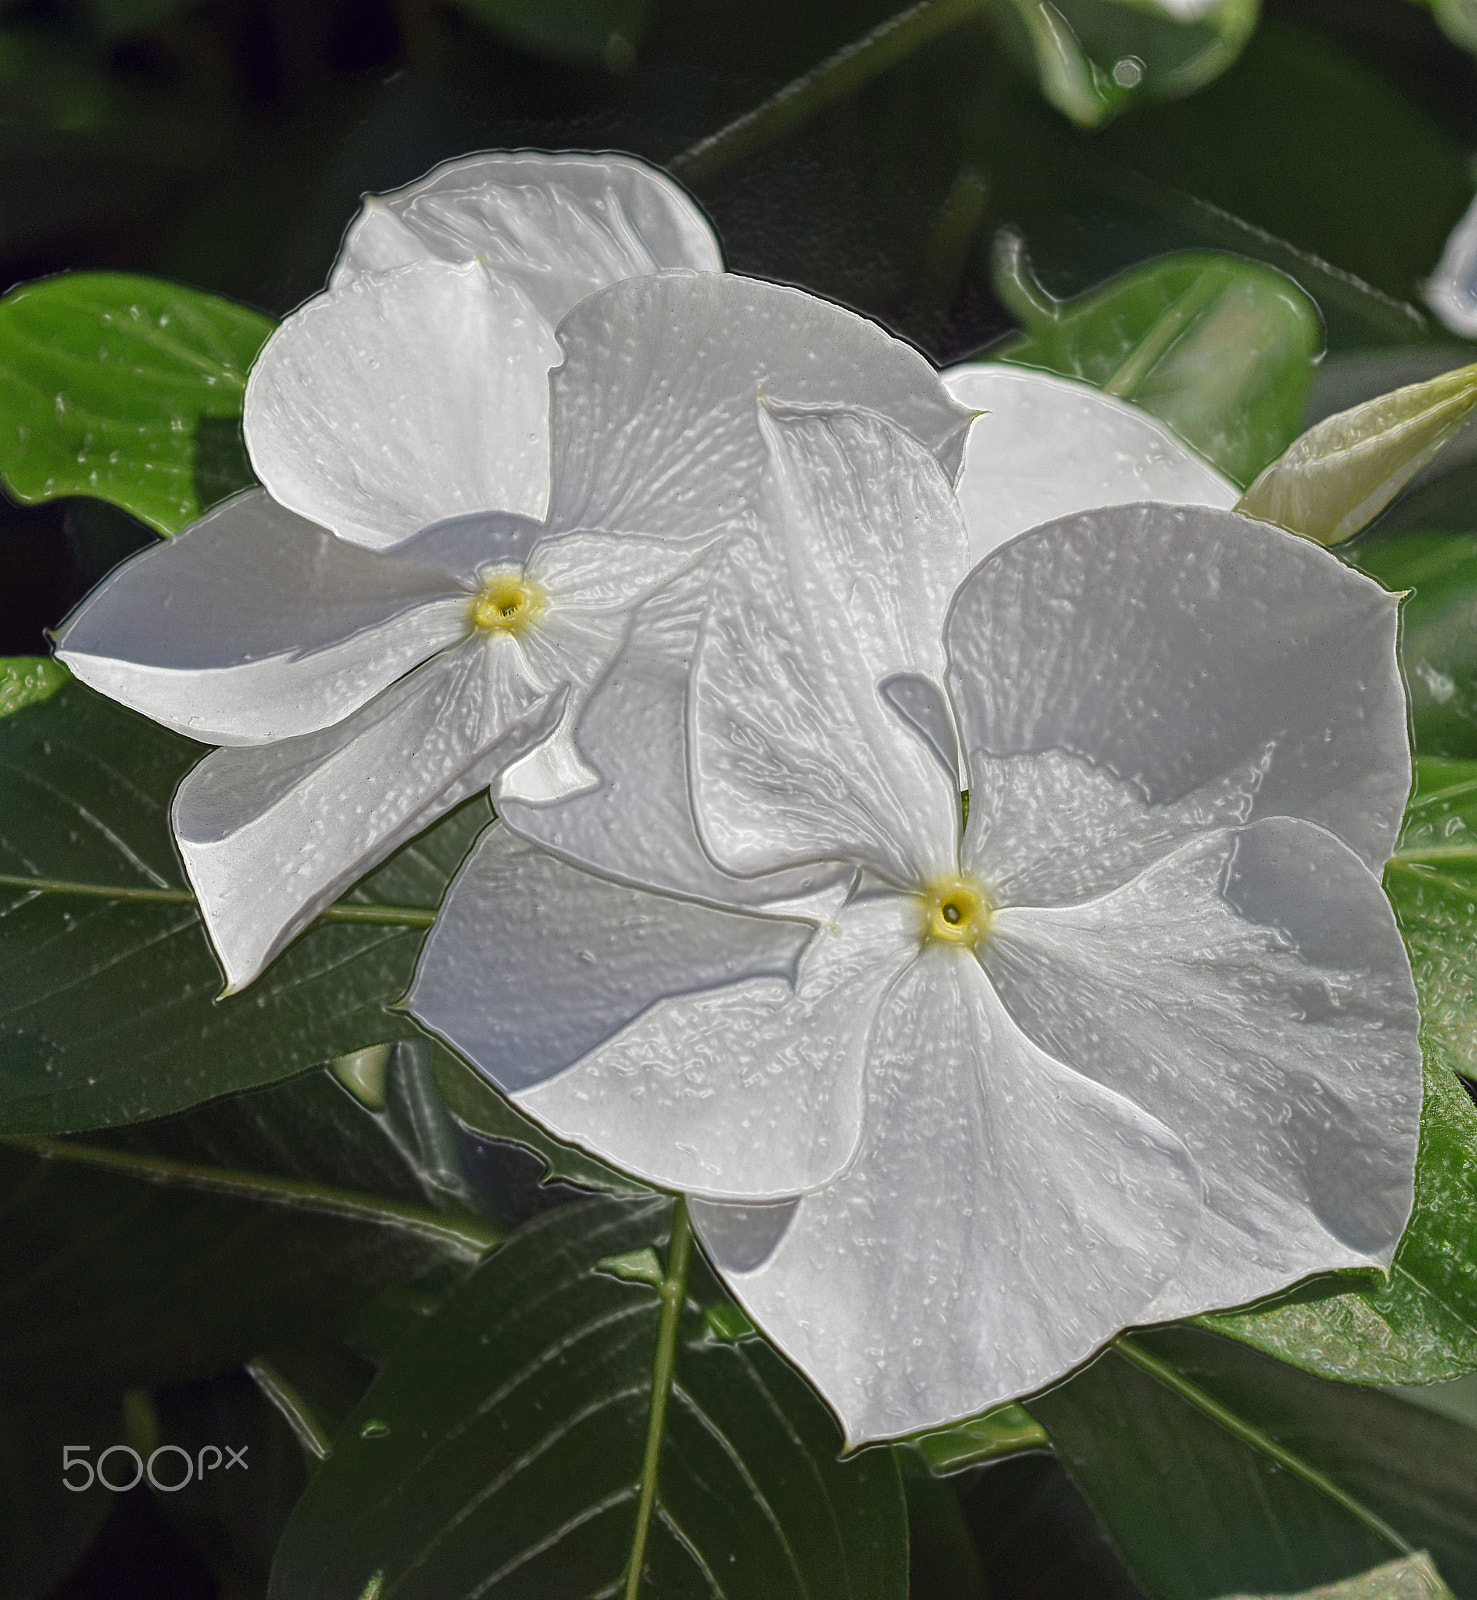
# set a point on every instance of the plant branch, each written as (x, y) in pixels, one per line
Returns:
(848, 69)
(464, 1236)
(395, 916)
(1192, 1394)
(673, 1293)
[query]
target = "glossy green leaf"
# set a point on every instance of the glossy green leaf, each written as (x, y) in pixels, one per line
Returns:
(1432, 880)
(1216, 1469)
(601, 33)
(1420, 1326)
(1005, 1431)
(108, 989)
(1338, 476)
(128, 389)
(478, 1106)
(45, 1529)
(179, 1249)
(1407, 1578)
(943, 1561)
(1093, 58)
(28, 680)
(1218, 347)
(505, 1446)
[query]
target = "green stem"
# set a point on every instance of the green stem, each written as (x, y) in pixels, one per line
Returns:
(465, 1236)
(848, 69)
(673, 1293)
(394, 916)
(1245, 1431)
(311, 1434)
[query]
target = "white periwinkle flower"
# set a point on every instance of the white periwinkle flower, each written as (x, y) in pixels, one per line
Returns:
(953, 1104)
(1451, 291)
(359, 693)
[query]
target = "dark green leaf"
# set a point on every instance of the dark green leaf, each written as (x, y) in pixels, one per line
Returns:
(1421, 1326)
(1218, 1470)
(1432, 880)
(181, 1248)
(479, 1107)
(128, 389)
(1428, 547)
(943, 1562)
(501, 1449)
(108, 1003)
(1093, 58)
(45, 1529)
(601, 33)
(1218, 347)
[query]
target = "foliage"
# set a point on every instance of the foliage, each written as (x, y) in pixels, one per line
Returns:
(285, 1216)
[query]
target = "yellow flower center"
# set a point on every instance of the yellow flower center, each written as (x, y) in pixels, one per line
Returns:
(506, 603)
(955, 911)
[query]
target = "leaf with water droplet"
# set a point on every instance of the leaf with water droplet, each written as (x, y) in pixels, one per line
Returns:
(1218, 347)
(127, 389)
(1338, 476)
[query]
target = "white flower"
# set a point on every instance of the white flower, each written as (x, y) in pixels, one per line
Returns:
(955, 1105)
(1451, 291)
(358, 693)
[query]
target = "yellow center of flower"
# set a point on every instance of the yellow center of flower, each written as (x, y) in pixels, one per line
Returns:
(955, 911)
(506, 603)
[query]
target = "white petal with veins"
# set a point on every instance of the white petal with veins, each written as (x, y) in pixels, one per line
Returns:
(1046, 446)
(254, 624)
(1251, 992)
(1003, 1217)
(272, 835)
(404, 398)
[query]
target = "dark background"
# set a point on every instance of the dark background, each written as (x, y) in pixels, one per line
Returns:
(226, 144)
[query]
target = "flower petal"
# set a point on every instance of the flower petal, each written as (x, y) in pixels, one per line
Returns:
(1134, 675)
(746, 1090)
(1044, 447)
(1253, 993)
(272, 835)
(404, 398)
(796, 756)
(655, 428)
(254, 624)
(559, 226)
(635, 823)
(664, 1036)
(1451, 290)
(1003, 1217)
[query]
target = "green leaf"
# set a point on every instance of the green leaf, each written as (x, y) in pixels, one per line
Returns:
(582, 33)
(45, 1529)
(179, 1249)
(28, 680)
(127, 389)
(1005, 1431)
(1420, 1326)
(484, 1110)
(1093, 58)
(1432, 880)
(1218, 347)
(1339, 475)
(1458, 19)
(1216, 1469)
(1412, 1578)
(518, 1439)
(108, 989)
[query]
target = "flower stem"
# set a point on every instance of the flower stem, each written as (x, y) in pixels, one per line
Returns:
(848, 69)
(1248, 1433)
(465, 1236)
(673, 1293)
